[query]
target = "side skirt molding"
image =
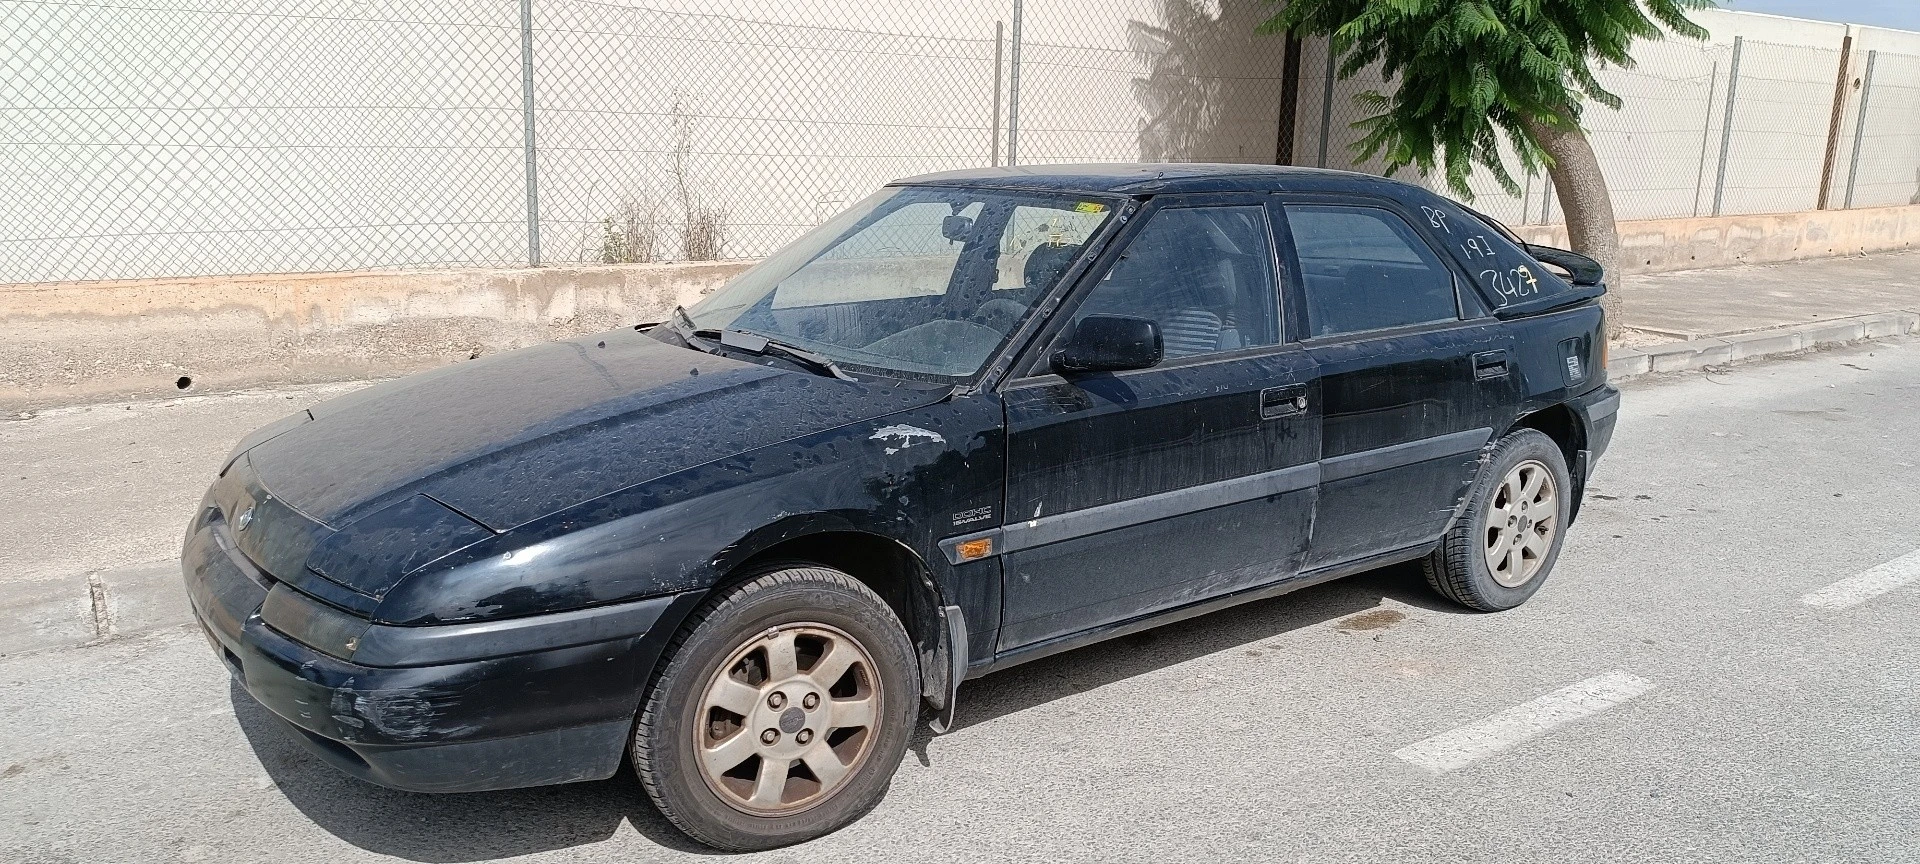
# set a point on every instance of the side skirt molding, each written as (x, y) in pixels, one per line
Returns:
(1163, 617)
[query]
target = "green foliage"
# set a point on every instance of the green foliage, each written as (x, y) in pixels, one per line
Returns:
(1471, 70)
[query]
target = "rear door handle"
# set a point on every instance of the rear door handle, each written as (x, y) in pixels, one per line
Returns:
(1283, 401)
(1490, 364)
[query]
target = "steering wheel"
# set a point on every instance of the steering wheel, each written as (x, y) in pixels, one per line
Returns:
(999, 314)
(940, 343)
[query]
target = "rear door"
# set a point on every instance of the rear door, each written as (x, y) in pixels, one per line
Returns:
(1401, 374)
(1139, 491)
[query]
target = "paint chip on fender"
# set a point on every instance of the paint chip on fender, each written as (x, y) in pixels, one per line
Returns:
(899, 438)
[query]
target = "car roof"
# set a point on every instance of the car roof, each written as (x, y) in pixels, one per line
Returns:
(1158, 178)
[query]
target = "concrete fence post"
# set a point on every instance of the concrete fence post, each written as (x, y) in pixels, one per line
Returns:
(1726, 127)
(526, 133)
(1860, 127)
(1013, 91)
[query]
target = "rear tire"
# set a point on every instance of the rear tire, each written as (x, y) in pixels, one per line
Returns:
(745, 744)
(1503, 547)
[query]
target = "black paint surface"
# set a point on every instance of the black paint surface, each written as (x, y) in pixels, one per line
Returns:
(496, 502)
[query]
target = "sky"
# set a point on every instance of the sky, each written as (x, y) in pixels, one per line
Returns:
(1899, 14)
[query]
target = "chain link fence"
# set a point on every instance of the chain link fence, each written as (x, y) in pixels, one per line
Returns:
(1885, 165)
(158, 138)
(171, 140)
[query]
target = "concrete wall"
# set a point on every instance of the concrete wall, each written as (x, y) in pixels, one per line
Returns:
(72, 343)
(1661, 245)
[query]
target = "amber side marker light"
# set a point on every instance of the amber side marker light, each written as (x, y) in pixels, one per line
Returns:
(973, 550)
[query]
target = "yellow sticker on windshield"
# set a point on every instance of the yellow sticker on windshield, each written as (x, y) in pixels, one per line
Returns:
(1089, 207)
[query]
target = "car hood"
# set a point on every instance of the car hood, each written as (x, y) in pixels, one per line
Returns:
(510, 438)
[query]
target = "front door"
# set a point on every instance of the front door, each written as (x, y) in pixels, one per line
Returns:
(1401, 417)
(1140, 491)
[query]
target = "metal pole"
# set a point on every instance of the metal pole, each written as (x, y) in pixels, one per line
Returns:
(1013, 93)
(1285, 131)
(1326, 105)
(999, 37)
(1546, 203)
(1526, 192)
(1706, 135)
(1833, 123)
(526, 133)
(1726, 128)
(1860, 127)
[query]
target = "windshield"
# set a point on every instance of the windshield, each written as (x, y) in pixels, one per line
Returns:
(919, 282)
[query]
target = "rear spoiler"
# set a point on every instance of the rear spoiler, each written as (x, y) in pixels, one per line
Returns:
(1582, 270)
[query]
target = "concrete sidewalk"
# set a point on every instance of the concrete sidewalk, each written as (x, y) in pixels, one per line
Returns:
(94, 497)
(1697, 318)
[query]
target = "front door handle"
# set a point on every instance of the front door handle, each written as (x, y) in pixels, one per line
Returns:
(1490, 364)
(1283, 401)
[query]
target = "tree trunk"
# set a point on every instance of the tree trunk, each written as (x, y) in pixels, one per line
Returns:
(1583, 196)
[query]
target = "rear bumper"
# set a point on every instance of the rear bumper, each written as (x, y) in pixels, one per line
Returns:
(524, 719)
(1598, 409)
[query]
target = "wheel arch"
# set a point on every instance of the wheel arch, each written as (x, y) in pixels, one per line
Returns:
(886, 565)
(1560, 423)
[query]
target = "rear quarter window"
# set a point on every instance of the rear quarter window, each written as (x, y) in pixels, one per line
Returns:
(1503, 273)
(1365, 268)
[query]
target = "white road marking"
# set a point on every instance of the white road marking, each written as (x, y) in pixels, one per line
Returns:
(1855, 590)
(1514, 726)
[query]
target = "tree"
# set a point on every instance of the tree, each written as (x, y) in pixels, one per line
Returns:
(1472, 71)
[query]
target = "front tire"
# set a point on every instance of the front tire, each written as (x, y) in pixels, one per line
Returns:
(782, 711)
(1501, 549)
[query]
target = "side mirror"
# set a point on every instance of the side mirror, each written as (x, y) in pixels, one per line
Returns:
(956, 228)
(1109, 343)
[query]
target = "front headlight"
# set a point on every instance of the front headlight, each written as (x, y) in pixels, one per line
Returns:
(314, 624)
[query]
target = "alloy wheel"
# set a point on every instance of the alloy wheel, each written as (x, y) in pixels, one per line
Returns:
(787, 718)
(1520, 523)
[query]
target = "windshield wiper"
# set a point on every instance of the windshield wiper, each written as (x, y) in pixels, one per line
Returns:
(681, 324)
(754, 343)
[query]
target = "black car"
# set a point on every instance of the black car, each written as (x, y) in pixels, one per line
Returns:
(980, 418)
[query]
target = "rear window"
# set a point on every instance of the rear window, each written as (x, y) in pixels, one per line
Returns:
(1504, 273)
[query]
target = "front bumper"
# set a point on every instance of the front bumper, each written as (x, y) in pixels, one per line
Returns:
(530, 718)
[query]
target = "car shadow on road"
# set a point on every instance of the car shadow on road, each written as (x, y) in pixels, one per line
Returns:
(482, 826)
(1355, 599)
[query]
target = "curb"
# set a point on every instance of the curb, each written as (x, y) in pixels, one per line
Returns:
(89, 609)
(1627, 363)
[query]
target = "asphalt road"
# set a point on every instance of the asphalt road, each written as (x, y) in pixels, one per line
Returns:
(1669, 696)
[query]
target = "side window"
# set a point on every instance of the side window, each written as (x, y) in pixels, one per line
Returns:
(1204, 274)
(1364, 268)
